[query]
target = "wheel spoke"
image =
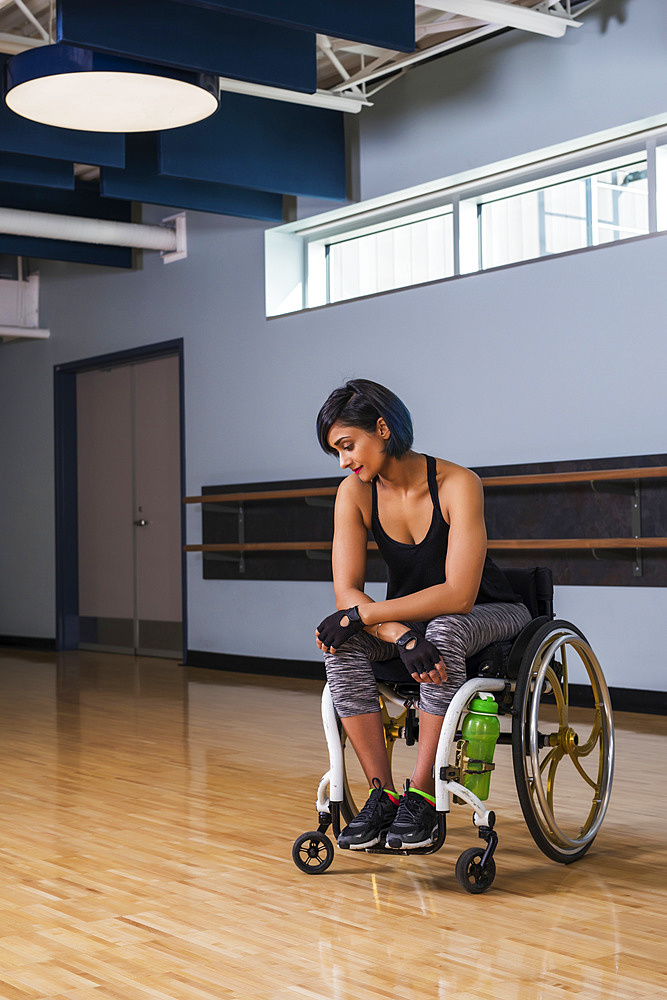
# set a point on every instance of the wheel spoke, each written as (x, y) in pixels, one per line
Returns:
(596, 732)
(551, 776)
(546, 815)
(549, 757)
(565, 685)
(574, 757)
(559, 694)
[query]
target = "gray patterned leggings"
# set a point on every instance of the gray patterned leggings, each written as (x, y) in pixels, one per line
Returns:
(350, 673)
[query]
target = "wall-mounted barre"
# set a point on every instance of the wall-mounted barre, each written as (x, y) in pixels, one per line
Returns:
(495, 544)
(619, 481)
(538, 479)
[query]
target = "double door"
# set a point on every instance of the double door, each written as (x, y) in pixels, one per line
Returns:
(129, 508)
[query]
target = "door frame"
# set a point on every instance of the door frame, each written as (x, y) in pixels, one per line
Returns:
(66, 499)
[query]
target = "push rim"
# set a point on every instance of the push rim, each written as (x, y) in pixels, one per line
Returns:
(592, 759)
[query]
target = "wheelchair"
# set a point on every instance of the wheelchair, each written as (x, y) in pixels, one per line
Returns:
(563, 772)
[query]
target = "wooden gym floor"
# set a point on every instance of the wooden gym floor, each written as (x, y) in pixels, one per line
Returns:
(147, 814)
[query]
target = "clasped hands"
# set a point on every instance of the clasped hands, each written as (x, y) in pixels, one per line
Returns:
(420, 656)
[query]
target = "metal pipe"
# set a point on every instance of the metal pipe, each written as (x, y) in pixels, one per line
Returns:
(16, 222)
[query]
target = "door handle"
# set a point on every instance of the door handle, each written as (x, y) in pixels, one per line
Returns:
(141, 523)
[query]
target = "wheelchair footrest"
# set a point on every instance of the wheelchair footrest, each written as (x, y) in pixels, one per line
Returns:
(394, 853)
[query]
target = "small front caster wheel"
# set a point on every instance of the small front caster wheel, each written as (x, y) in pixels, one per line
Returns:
(312, 853)
(471, 874)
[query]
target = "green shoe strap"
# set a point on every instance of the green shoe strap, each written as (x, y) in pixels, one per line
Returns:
(425, 795)
(394, 796)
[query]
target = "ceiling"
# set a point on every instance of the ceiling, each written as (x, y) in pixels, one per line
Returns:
(266, 141)
(347, 68)
(344, 68)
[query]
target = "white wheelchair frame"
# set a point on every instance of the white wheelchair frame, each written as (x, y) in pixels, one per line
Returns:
(444, 787)
(536, 666)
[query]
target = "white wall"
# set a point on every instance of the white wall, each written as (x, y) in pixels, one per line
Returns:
(558, 359)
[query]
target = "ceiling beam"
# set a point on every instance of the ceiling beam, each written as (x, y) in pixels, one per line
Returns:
(13, 44)
(320, 99)
(375, 71)
(509, 15)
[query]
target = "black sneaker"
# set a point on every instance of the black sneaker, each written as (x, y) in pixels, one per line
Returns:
(416, 823)
(369, 827)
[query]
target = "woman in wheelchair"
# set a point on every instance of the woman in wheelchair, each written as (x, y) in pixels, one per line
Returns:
(445, 598)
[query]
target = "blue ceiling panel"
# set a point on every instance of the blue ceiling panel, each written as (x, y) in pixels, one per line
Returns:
(18, 169)
(387, 23)
(18, 135)
(176, 34)
(264, 145)
(139, 181)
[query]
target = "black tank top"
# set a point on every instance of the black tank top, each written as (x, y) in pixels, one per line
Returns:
(415, 567)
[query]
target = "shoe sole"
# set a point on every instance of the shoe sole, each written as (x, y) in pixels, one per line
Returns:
(359, 847)
(396, 844)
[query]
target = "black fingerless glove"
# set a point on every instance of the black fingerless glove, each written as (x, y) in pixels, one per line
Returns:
(422, 655)
(333, 634)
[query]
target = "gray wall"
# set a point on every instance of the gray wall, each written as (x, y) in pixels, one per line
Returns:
(516, 93)
(558, 359)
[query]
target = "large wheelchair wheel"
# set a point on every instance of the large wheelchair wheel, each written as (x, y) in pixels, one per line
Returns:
(563, 758)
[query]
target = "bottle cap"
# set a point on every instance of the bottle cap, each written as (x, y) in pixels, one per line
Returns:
(484, 704)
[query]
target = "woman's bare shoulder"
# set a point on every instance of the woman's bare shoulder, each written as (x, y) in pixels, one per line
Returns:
(352, 493)
(458, 488)
(449, 473)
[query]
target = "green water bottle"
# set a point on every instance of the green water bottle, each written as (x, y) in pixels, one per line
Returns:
(481, 729)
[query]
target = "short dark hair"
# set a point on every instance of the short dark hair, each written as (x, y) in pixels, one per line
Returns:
(360, 403)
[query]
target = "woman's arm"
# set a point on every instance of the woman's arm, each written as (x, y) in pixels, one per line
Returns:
(463, 502)
(350, 540)
(350, 546)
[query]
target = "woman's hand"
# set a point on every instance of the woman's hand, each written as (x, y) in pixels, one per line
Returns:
(421, 658)
(337, 629)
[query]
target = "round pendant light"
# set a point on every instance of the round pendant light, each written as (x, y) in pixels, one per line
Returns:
(76, 88)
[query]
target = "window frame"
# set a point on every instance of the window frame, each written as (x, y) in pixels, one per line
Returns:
(303, 281)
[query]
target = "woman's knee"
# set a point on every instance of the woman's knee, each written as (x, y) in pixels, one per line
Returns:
(351, 681)
(353, 695)
(449, 634)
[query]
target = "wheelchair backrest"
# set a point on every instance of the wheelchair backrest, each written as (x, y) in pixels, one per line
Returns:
(535, 586)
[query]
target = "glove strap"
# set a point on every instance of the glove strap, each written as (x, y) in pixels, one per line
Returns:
(407, 637)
